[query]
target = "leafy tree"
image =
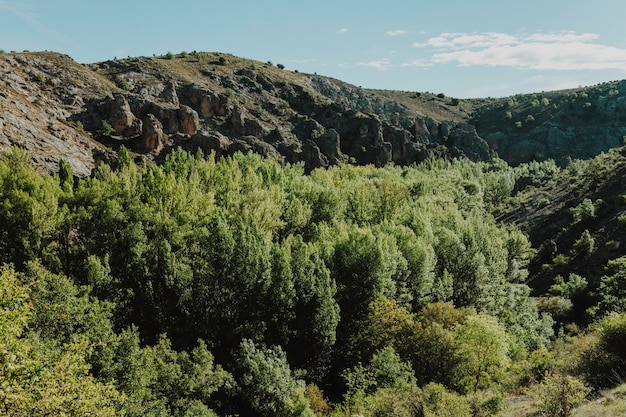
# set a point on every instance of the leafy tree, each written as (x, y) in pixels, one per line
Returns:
(390, 372)
(482, 349)
(439, 402)
(39, 378)
(266, 384)
(612, 288)
(29, 211)
(603, 363)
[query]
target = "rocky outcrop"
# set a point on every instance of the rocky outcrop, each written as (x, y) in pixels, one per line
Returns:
(56, 109)
(209, 141)
(152, 134)
(120, 117)
(189, 121)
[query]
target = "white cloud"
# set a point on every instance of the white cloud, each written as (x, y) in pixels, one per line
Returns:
(542, 51)
(417, 63)
(396, 32)
(379, 64)
(302, 61)
(342, 30)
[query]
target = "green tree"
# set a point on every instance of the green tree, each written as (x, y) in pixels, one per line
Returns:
(613, 287)
(603, 363)
(29, 211)
(266, 383)
(40, 378)
(482, 349)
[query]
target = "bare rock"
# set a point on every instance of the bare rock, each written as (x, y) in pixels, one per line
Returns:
(169, 94)
(210, 141)
(152, 135)
(189, 120)
(120, 116)
(246, 144)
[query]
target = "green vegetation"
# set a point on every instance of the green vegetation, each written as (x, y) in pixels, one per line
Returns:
(240, 286)
(107, 129)
(121, 82)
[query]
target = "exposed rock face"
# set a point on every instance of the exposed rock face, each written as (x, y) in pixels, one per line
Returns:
(121, 118)
(210, 141)
(152, 134)
(55, 108)
(169, 94)
(189, 120)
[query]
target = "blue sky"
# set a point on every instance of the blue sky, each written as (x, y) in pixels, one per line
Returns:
(471, 48)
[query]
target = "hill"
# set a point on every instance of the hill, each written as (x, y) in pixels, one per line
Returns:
(57, 108)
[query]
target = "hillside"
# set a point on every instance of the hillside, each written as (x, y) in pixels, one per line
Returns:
(56, 108)
(418, 275)
(575, 219)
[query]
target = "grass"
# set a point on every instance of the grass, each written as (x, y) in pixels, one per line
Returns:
(609, 403)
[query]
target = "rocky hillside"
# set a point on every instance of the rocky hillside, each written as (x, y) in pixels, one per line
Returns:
(57, 108)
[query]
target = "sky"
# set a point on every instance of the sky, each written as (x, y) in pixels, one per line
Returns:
(464, 49)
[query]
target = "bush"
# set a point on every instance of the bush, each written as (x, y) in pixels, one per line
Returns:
(604, 363)
(107, 129)
(559, 394)
(121, 82)
(585, 245)
(439, 402)
(584, 211)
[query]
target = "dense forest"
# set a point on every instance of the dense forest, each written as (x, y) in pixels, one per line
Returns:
(239, 286)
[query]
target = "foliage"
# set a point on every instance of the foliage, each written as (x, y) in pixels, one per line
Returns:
(557, 395)
(482, 348)
(266, 382)
(39, 378)
(159, 274)
(603, 364)
(613, 287)
(107, 129)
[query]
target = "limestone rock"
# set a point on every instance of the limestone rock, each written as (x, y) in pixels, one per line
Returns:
(210, 141)
(169, 94)
(152, 135)
(120, 116)
(189, 120)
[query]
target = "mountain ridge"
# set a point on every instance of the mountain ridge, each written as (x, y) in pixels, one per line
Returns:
(59, 109)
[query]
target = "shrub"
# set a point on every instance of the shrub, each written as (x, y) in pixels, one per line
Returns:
(530, 118)
(559, 260)
(107, 129)
(584, 211)
(169, 55)
(439, 402)
(559, 394)
(121, 82)
(280, 66)
(603, 364)
(585, 245)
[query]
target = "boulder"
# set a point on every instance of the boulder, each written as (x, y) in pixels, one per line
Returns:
(210, 141)
(152, 135)
(246, 144)
(465, 138)
(189, 121)
(120, 116)
(169, 95)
